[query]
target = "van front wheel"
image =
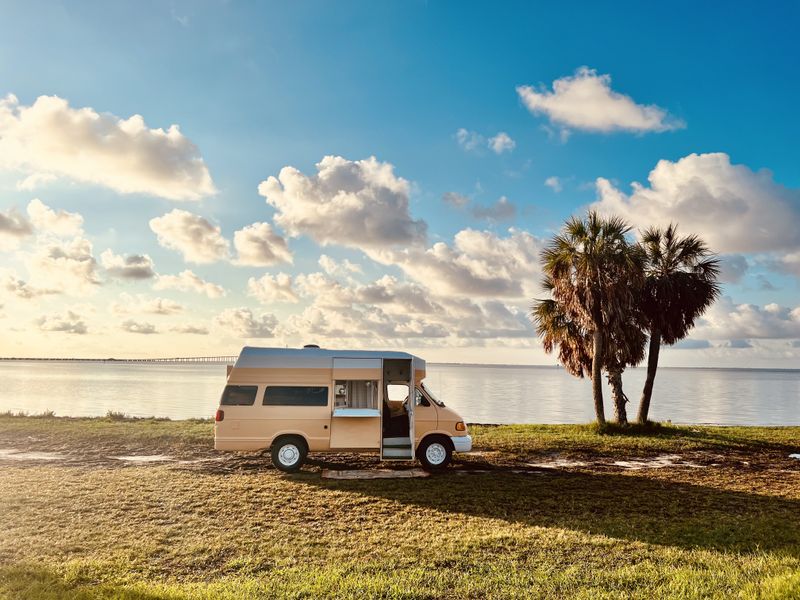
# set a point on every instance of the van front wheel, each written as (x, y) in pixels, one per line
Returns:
(289, 454)
(434, 453)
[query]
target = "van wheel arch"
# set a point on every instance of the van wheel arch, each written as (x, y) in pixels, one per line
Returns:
(286, 459)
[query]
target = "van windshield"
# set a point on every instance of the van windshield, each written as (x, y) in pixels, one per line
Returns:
(431, 395)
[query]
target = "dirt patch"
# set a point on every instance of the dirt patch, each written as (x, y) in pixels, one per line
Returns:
(19, 455)
(374, 474)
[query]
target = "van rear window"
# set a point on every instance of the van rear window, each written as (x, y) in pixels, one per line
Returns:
(239, 395)
(290, 395)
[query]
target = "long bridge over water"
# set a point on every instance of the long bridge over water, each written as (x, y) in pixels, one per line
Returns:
(222, 359)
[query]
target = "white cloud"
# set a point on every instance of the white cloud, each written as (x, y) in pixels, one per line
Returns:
(269, 289)
(141, 327)
(188, 281)
(586, 101)
(333, 267)
(68, 322)
(197, 239)
(13, 227)
(554, 183)
(359, 204)
(46, 220)
(788, 263)
(132, 266)
(259, 245)
(35, 181)
(243, 323)
(189, 328)
(502, 210)
(51, 138)
(479, 264)
(733, 208)
(501, 142)
(469, 140)
(11, 284)
(729, 321)
(68, 267)
(142, 304)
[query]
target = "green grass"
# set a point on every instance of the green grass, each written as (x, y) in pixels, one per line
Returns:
(91, 529)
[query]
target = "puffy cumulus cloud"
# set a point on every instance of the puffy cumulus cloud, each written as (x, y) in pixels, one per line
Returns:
(242, 323)
(554, 183)
(269, 288)
(726, 320)
(334, 267)
(13, 227)
(68, 267)
(788, 263)
(140, 327)
(360, 204)
(50, 137)
(188, 281)
(732, 207)
(586, 101)
(60, 223)
(142, 304)
(259, 245)
(502, 210)
(189, 328)
(132, 266)
(68, 322)
(732, 268)
(501, 142)
(479, 263)
(12, 285)
(389, 310)
(196, 238)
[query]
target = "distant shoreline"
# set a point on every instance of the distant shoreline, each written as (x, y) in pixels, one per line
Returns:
(221, 360)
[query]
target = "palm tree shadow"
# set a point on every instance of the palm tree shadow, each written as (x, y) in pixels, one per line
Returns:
(619, 506)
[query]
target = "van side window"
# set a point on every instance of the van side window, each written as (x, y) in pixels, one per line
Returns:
(239, 395)
(291, 395)
(356, 394)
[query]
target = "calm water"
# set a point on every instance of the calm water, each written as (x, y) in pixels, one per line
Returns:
(482, 394)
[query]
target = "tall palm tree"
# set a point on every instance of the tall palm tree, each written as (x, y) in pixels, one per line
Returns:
(624, 344)
(594, 273)
(680, 284)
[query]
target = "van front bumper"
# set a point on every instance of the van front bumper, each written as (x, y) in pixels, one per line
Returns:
(462, 443)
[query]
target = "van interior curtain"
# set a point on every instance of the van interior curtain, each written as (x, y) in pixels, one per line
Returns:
(362, 394)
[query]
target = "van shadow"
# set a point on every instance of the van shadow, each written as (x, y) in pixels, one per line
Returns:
(625, 507)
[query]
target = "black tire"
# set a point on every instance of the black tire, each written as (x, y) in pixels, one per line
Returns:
(435, 453)
(289, 453)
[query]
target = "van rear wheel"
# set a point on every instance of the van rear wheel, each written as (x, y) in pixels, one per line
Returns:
(435, 453)
(289, 453)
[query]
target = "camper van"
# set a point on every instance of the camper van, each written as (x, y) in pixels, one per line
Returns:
(296, 401)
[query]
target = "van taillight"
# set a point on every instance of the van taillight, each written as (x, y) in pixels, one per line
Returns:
(220, 415)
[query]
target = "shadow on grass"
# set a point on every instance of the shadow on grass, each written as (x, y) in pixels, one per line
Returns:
(619, 506)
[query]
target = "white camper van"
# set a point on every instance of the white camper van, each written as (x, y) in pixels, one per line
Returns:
(297, 401)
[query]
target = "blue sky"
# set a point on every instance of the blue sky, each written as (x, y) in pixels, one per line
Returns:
(257, 87)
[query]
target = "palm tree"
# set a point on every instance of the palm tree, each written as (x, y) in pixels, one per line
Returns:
(624, 345)
(680, 284)
(594, 273)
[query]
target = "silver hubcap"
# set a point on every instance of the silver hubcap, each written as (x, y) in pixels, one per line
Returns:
(289, 455)
(435, 453)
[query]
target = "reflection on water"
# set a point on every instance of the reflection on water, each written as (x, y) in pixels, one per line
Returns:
(482, 394)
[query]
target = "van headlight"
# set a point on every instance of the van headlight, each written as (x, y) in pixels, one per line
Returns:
(460, 426)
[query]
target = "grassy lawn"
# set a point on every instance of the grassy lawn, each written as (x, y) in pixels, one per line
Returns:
(203, 526)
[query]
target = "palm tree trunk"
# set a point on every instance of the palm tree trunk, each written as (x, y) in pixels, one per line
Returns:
(597, 375)
(652, 365)
(620, 413)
